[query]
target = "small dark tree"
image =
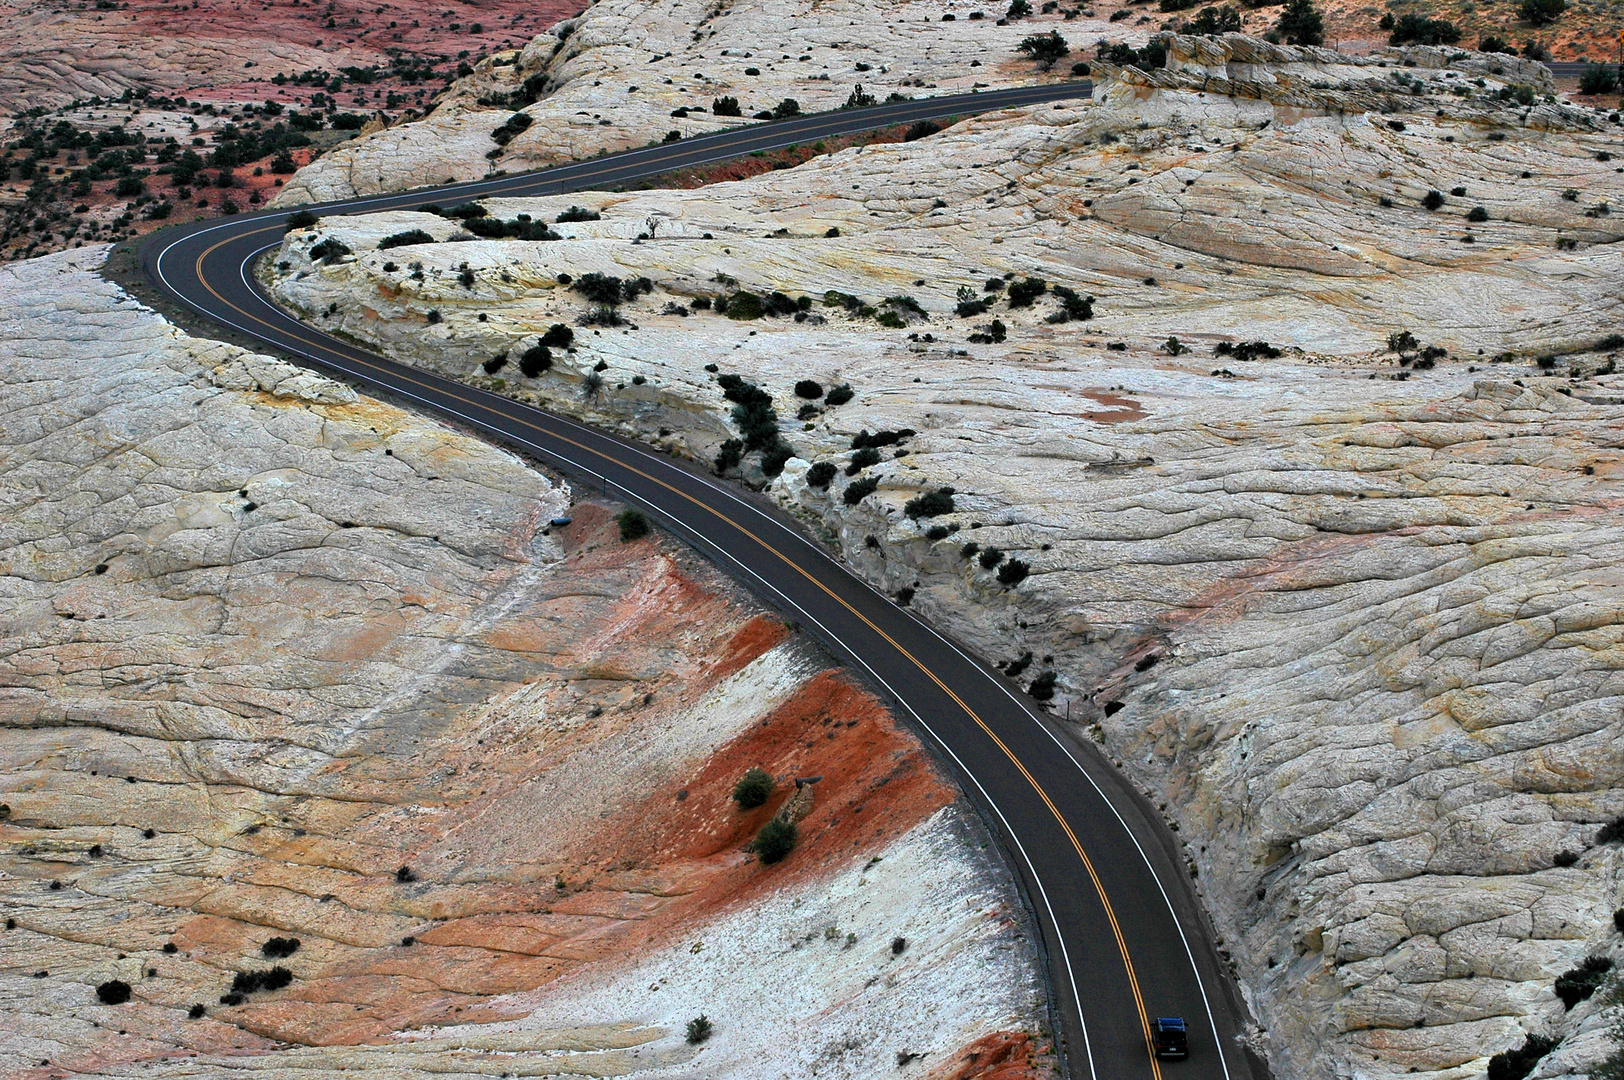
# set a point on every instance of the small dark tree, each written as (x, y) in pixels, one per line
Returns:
(633, 525)
(699, 1029)
(1025, 292)
(1477, 214)
(1018, 9)
(731, 453)
(775, 841)
(1046, 49)
(1300, 23)
(786, 108)
(753, 788)
(859, 99)
(821, 475)
(726, 106)
(1433, 200)
(1218, 20)
(577, 213)
(1541, 12)
(809, 389)
(839, 395)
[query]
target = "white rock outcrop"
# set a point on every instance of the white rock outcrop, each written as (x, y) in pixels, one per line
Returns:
(1340, 600)
(280, 660)
(625, 73)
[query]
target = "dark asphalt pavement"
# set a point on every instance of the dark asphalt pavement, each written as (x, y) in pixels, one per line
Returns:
(1121, 930)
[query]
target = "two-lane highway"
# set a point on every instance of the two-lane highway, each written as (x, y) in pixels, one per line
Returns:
(1121, 930)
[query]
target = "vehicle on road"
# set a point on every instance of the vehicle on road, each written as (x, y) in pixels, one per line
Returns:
(1171, 1036)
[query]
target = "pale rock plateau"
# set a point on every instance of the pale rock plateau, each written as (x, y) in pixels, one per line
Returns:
(1349, 613)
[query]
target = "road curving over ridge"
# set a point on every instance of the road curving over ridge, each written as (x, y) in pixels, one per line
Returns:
(1122, 933)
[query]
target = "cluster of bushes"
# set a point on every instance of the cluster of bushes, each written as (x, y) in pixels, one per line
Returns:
(1149, 58)
(608, 291)
(577, 213)
(746, 306)
(1246, 350)
(991, 334)
(528, 93)
(1598, 79)
(1024, 293)
(1072, 306)
(1413, 29)
(252, 982)
(757, 421)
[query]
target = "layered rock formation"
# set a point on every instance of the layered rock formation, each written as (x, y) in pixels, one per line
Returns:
(283, 663)
(1311, 472)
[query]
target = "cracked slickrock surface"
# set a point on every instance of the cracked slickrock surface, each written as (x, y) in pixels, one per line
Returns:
(615, 76)
(1351, 618)
(281, 661)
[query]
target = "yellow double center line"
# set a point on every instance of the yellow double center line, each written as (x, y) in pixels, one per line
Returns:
(1088, 864)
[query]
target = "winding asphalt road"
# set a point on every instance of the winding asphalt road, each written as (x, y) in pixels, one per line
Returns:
(1120, 929)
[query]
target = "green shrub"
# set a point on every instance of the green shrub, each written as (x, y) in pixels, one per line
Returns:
(1518, 1063)
(1612, 832)
(1402, 341)
(995, 332)
(969, 550)
(302, 219)
(1072, 306)
(859, 99)
(1047, 49)
(731, 453)
(775, 457)
(839, 395)
(1477, 214)
(1300, 24)
(858, 490)
(775, 841)
(1042, 687)
(753, 788)
(633, 525)
(920, 129)
(930, 504)
(821, 475)
(405, 239)
(726, 106)
(1018, 9)
(511, 128)
(1433, 199)
(329, 251)
(535, 360)
(786, 108)
(1013, 572)
(495, 363)
(577, 213)
(990, 557)
(1577, 984)
(1246, 350)
(1598, 79)
(862, 460)
(604, 289)
(743, 306)
(807, 388)
(1214, 20)
(1025, 292)
(699, 1029)
(113, 992)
